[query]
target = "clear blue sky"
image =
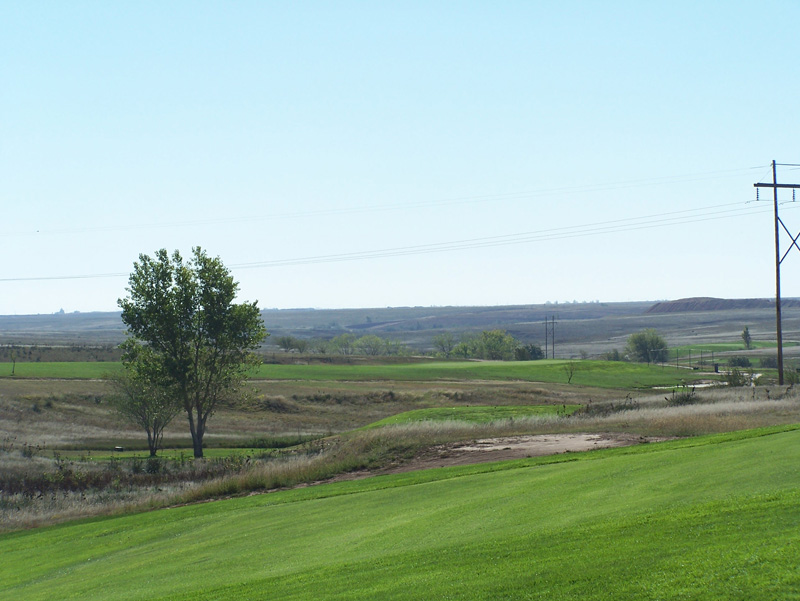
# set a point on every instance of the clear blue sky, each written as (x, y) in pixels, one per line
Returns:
(500, 153)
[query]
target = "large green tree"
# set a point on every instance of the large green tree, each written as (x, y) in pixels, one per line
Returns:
(198, 343)
(647, 346)
(497, 344)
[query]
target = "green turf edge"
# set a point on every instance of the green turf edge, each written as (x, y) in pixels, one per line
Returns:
(430, 414)
(383, 482)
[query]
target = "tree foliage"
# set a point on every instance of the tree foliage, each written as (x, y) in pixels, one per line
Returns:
(187, 338)
(444, 343)
(142, 404)
(529, 352)
(344, 344)
(371, 344)
(647, 346)
(494, 345)
(746, 338)
(287, 343)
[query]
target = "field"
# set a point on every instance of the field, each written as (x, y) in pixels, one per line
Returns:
(362, 478)
(601, 374)
(711, 518)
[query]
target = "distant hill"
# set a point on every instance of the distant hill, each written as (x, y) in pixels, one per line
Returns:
(686, 305)
(580, 328)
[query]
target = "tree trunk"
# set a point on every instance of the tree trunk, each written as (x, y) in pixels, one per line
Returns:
(151, 443)
(197, 439)
(197, 434)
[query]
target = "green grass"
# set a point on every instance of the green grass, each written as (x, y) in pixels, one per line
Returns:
(723, 347)
(474, 415)
(710, 518)
(603, 374)
(68, 370)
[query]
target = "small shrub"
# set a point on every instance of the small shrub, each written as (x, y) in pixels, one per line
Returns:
(739, 362)
(604, 409)
(28, 450)
(136, 465)
(737, 377)
(613, 355)
(769, 362)
(683, 396)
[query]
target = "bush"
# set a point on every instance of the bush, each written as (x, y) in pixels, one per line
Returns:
(529, 352)
(604, 409)
(613, 355)
(683, 396)
(736, 377)
(770, 362)
(739, 362)
(154, 465)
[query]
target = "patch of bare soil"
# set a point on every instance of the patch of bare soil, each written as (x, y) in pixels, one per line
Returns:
(516, 447)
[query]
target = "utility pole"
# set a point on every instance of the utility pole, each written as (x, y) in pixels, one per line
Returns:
(550, 336)
(778, 258)
(546, 337)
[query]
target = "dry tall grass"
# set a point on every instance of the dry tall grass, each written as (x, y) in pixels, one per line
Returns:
(709, 411)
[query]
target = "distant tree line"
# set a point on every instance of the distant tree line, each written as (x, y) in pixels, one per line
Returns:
(496, 345)
(344, 344)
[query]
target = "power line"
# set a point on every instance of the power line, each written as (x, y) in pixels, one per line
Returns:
(696, 215)
(404, 206)
(505, 240)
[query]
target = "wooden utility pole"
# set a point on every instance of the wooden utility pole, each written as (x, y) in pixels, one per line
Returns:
(550, 336)
(778, 258)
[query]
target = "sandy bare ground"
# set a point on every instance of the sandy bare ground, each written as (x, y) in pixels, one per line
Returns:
(516, 447)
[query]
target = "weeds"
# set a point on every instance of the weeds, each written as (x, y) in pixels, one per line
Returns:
(603, 409)
(736, 377)
(36, 489)
(683, 396)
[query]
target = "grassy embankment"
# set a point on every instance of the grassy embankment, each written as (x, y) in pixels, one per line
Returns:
(602, 374)
(709, 518)
(473, 415)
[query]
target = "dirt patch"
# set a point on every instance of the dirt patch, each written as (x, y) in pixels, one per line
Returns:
(516, 447)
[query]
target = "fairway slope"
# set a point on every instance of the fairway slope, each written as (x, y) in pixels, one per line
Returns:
(710, 518)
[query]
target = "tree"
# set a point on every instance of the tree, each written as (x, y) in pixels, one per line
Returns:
(371, 345)
(187, 338)
(570, 367)
(748, 340)
(444, 343)
(319, 346)
(287, 343)
(497, 344)
(529, 352)
(142, 404)
(647, 346)
(344, 344)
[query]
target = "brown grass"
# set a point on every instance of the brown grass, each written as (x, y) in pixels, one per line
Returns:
(80, 413)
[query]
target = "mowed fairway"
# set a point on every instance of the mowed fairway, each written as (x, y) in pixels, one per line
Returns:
(711, 518)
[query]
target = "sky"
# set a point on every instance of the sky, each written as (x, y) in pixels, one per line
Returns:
(371, 154)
